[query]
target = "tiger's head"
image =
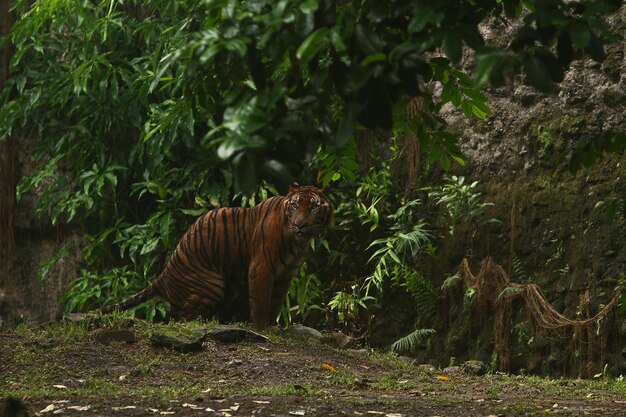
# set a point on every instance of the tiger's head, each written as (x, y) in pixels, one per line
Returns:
(308, 211)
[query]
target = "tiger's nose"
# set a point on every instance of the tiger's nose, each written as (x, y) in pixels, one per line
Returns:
(300, 223)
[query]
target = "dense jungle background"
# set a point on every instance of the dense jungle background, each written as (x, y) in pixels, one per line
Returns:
(473, 150)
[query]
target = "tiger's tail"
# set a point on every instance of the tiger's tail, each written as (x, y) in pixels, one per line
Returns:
(143, 295)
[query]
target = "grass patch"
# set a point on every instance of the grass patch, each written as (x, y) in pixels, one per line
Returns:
(388, 381)
(280, 390)
(343, 378)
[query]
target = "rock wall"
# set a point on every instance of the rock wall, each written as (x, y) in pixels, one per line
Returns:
(25, 295)
(551, 231)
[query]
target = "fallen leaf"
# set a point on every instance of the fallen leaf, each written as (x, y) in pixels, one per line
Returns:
(126, 407)
(329, 367)
(394, 415)
(261, 402)
(79, 407)
(192, 406)
(122, 377)
(207, 390)
(404, 381)
(264, 348)
(235, 407)
(15, 384)
(58, 411)
(555, 405)
(297, 412)
(442, 378)
(49, 408)
(374, 412)
(59, 386)
(209, 410)
(157, 411)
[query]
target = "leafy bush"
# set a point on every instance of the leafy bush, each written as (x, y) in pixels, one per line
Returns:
(461, 202)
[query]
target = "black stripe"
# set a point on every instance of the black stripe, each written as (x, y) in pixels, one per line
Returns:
(269, 204)
(226, 254)
(195, 249)
(204, 258)
(214, 238)
(244, 239)
(239, 234)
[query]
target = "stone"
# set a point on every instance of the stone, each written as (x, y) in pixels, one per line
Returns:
(453, 371)
(231, 334)
(49, 343)
(117, 335)
(76, 317)
(473, 367)
(358, 351)
(305, 331)
(426, 369)
(341, 341)
(181, 341)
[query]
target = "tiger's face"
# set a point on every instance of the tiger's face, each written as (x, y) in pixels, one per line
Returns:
(308, 211)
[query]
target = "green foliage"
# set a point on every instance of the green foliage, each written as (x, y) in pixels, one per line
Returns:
(336, 164)
(461, 202)
(306, 293)
(393, 252)
(91, 290)
(347, 304)
(410, 342)
(451, 282)
(243, 79)
(424, 294)
(45, 268)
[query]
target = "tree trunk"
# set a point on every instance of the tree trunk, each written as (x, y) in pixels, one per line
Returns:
(7, 169)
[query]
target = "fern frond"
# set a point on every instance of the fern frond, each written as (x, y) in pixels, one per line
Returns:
(510, 290)
(519, 270)
(451, 281)
(411, 341)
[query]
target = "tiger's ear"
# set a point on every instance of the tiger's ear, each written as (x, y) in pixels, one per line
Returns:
(293, 186)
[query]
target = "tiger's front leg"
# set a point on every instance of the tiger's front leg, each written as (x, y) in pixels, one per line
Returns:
(281, 288)
(260, 285)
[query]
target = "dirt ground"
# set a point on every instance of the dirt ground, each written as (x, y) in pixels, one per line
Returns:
(68, 370)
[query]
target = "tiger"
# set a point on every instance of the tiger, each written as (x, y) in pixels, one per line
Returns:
(245, 256)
